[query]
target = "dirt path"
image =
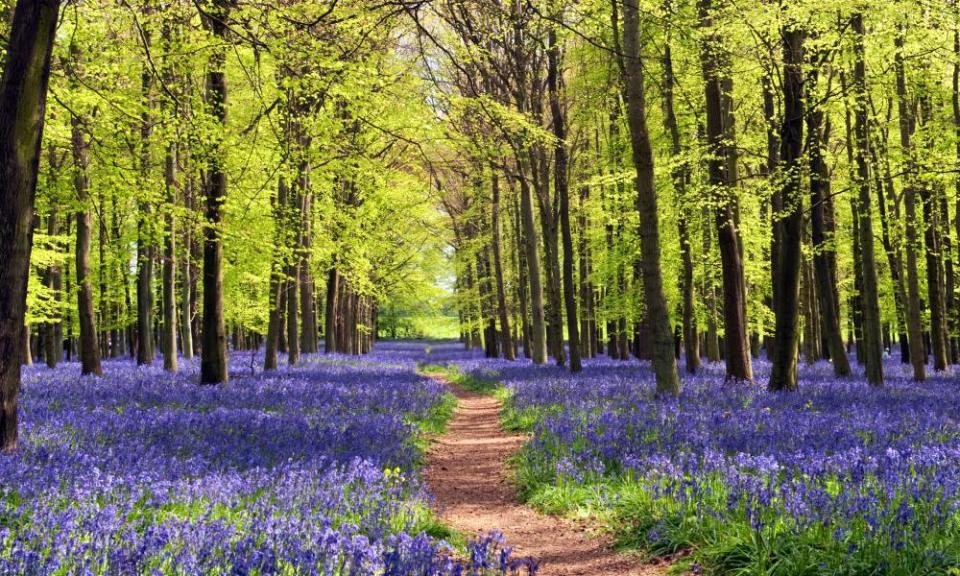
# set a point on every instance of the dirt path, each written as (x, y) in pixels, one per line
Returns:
(469, 477)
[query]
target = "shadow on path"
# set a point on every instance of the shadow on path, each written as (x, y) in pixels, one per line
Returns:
(467, 473)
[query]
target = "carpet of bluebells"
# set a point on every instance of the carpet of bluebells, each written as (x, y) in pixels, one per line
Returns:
(837, 478)
(310, 470)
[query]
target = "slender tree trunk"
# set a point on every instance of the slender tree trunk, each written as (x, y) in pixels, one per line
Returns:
(506, 337)
(273, 324)
(186, 277)
(293, 322)
(80, 149)
(681, 175)
(783, 372)
(168, 335)
(52, 340)
(870, 300)
(145, 237)
(23, 96)
(588, 343)
(776, 198)
(955, 100)
(562, 188)
(907, 125)
(89, 345)
(933, 244)
(551, 255)
(949, 278)
(522, 283)
(308, 314)
(277, 279)
(330, 328)
(711, 339)
(213, 363)
(664, 362)
(822, 235)
(104, 322)
(888, 205)
(537, 327)
(722, 178)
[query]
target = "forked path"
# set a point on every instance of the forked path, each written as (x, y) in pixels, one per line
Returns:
(468, 474)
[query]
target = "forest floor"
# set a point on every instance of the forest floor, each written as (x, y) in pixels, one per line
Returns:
(469, 475)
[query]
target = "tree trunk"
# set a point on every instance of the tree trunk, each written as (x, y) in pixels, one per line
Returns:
(537, 327)
(551, 255)
(52, 341)
(588, 345)
(23, 96)
(522, 274)
(213, 364)
(907, 125)
(783, 371)
(308, 313)
(872, 352)
(145, 237)
(776, 198)
(562, 188)
(506, 337)
(681, 175)
(274, 325)
(293, 302)
(664, 362)
(822, 234)
(722, 179)
(330, 327)
(888, 205)
(955, 100)
(186, 278)
(168, 334)
(89, 345)
(711, 339)
(933, 244)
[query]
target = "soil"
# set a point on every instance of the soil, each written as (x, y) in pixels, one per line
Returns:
(469, 477)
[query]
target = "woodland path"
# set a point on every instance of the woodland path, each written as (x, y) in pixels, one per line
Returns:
(468, 474)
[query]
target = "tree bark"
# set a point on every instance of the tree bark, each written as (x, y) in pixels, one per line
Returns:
(907, 125)
(522, 274)
(89, 344)
(145, 238)
(506, 336)
(293, 320)
(783, 371)
(872, 352)
(52, 337)
(186, 278)
(168, 331)
(663, 360)
(551, 253)
(274, 325)
(822, 235)
(168, 334)
(308, 313)
(681, 175)
(955, 100)
(330, 328)
(537, 327)
(588, 343)
(935, 254)
(562, 188)
(722, 178)
(23, 96)
(213, 364)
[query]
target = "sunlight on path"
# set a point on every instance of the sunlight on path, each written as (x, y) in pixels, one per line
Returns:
(468, 475)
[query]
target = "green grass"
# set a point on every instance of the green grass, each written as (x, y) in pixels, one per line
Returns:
(511, 418)
(435, 422)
